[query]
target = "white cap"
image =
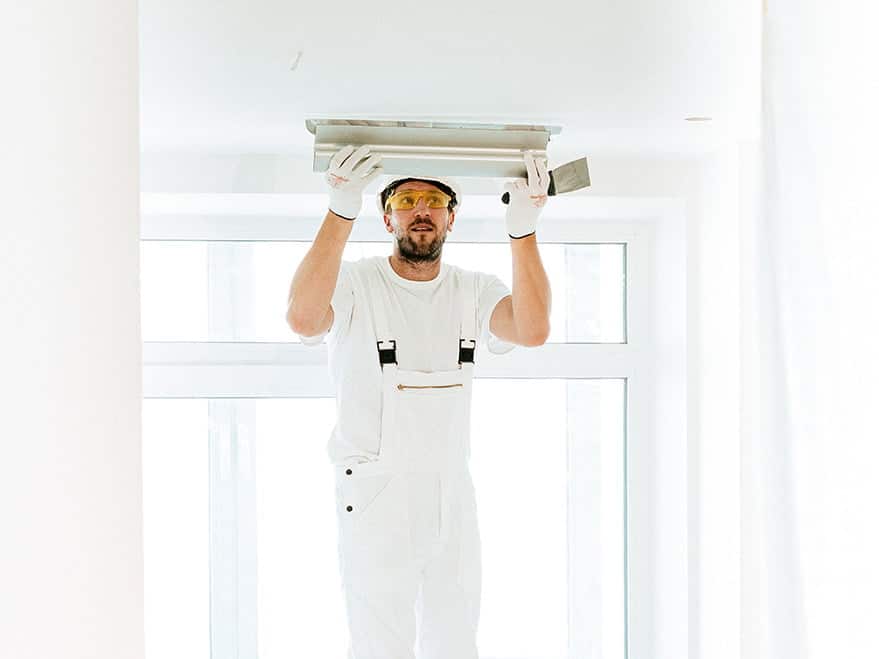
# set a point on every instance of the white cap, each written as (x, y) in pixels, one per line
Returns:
(445, 180)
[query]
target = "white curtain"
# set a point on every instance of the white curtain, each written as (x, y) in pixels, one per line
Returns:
(810, 329)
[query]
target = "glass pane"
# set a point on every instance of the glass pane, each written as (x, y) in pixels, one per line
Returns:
(245, 298)
(174, 291)
(519, 468)
(300, 610)
(587, 284)
(536, 505)
(176, 535)
(550, 492)
(596, 413)
(523, 511)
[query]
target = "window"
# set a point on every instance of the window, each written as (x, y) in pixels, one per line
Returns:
(588, 284)
(240, 543)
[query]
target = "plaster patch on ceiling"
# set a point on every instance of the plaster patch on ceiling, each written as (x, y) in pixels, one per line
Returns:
(296, 61)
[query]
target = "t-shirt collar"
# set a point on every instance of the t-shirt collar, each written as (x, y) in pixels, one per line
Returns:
(410, 283)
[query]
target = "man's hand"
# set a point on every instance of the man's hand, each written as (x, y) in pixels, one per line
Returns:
(527, 198)
(348, 175)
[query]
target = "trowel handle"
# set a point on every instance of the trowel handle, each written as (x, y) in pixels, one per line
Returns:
(551, 191)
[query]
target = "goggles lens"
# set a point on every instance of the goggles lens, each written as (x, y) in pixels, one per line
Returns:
(407, 199)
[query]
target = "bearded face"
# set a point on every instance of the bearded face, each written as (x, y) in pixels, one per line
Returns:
(420, 232)
(421, 239)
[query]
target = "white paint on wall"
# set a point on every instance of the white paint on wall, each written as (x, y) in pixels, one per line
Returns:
(71, 562)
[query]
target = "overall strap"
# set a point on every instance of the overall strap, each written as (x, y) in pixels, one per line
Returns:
(467, 340)
(386, 344)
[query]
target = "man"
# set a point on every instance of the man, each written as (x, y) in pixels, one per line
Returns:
(403, 334)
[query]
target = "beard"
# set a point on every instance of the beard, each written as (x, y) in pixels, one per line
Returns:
(419, 247)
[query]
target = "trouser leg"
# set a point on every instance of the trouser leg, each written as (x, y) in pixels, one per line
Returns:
(448, 603)
(381, 614)
(379, 576)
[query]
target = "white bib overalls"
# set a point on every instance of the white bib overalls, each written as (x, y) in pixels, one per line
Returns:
(409, 547)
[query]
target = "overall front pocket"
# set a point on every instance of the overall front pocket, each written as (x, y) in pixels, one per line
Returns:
(374, 534)
(356, 494)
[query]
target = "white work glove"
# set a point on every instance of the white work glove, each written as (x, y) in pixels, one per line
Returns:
(348, 175)
(527, 198)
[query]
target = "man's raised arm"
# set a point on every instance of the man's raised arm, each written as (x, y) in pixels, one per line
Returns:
(308, 305)
(523, 318)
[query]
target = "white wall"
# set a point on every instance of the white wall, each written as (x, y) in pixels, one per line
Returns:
(71, 563)
(703, 480)
(714, 470)
(713, 191)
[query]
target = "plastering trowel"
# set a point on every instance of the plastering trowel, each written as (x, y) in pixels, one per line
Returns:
(429, 148)
(565, 178)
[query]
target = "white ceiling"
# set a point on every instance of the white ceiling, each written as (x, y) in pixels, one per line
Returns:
(618, 76)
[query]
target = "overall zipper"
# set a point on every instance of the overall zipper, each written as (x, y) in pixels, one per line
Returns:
(429, 386)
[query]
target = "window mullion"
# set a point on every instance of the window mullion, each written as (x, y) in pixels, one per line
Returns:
(233, 549)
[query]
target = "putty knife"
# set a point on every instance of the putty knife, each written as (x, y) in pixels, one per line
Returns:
(565, 178)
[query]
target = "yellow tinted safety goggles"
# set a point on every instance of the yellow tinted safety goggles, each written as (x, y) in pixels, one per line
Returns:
(407, 199)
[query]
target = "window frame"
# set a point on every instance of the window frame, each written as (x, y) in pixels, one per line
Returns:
(243, 370)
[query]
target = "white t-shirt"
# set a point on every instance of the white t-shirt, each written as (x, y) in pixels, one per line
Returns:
(426, 321)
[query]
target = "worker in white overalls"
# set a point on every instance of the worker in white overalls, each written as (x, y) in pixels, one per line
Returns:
(403, 333)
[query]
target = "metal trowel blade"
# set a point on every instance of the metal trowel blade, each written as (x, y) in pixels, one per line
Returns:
(568, 177)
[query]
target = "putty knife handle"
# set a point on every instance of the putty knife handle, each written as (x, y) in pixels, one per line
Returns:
(551, 191)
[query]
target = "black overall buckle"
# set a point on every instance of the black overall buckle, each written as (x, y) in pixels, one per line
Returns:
(466, 354)
(387, 355)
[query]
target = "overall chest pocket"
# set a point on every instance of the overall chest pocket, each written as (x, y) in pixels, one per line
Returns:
(431, 425)
(429, 388)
